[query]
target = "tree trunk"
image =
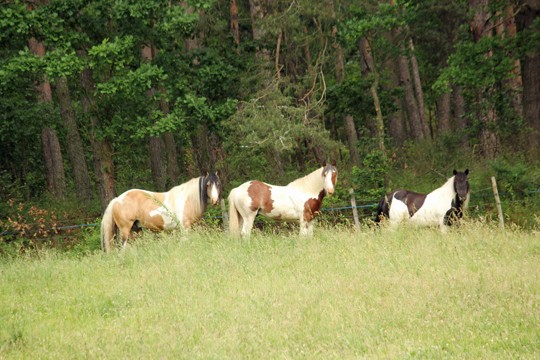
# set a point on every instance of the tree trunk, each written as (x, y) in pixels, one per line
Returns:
(418, 91)
(159, 147)
(459, 112)
(75, 147)
(396, 121)
(348, 120)
(54, 167)
(415, 123)
(101, 148)
(157, 167)
(171, 151)
(444, 113)
(257, 12)
(507, 28)
(531, 78)
(352, 139)
(370, 71)
(52, 155)
(485, 111)
(234, 24)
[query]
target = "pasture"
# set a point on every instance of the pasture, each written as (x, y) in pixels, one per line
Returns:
(416, 293)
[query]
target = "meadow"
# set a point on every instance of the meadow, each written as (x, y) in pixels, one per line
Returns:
(473, 292)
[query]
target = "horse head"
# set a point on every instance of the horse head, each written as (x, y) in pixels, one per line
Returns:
(213, 187)
(461, 184)
(329, 174)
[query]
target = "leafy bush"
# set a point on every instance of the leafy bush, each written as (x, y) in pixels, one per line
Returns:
(370, 179)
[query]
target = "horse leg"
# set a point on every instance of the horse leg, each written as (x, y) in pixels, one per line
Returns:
(125, 232)
(247, 224)
(304, 227)
(442, 226)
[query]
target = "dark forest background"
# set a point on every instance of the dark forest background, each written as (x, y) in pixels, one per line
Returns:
(97, 97)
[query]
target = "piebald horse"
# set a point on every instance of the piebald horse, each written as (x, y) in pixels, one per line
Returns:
(181, 206)
(443, 206)
(299, 201)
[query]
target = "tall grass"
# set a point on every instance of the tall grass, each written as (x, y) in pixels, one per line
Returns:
(415, 293)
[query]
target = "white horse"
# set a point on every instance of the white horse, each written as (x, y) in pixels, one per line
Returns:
(442, 206)
(179, 207)
(299, 201)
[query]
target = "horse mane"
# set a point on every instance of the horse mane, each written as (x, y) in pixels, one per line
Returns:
(195, 193)
(312, 183)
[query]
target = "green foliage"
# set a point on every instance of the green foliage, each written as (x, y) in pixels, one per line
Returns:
(369, 179)
(515, 177)
(470, 65)
(272, 125)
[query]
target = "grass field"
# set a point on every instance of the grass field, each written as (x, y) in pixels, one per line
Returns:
(471, 293)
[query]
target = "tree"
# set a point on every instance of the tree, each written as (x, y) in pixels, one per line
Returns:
(528, 23)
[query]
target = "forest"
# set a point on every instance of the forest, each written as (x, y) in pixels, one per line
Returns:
(100, 96)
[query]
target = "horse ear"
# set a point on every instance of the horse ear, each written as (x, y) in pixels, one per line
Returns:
(207, 173)
(324, 164)
(455, 171)
(466, 171)
(216, 173)
(334, 163)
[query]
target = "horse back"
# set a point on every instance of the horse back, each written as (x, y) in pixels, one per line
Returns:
(411, 199)
(139, 205)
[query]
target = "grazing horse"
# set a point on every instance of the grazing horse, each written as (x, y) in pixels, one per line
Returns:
(179, 207)
(442, 206)
(299, 201)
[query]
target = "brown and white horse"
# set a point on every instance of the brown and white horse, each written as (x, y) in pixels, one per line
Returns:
(179, 207)
(443, 206)
(299, 201)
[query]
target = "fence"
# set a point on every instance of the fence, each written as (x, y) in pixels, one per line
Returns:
(367, 206)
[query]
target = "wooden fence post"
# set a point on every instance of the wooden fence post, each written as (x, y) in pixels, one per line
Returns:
(225, 215)
(354, 209)
(498, 202)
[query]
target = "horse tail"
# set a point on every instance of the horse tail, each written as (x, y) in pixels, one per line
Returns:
(108, 228)
(234, 223)
(383, 209)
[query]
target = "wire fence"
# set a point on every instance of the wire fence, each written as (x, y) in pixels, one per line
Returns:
(478, 199)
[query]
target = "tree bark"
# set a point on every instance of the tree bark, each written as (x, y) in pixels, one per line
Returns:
(352, 139)
(418, 91)
(411, 106)
(531, 78)
(507, 28)
(101, 148)
(485, 111)
(348, 120)
(257, 12)
(370, 71)
(234, 24)
(75, 147)
(396, 120)
(54, 168)
(444, 113)
(52, 155)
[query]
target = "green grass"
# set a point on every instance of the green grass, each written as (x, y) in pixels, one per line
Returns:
(471, 293)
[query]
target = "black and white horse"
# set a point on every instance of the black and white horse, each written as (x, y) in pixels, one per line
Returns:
(443, 206)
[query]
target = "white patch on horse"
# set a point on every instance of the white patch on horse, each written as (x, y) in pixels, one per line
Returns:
(214, 194)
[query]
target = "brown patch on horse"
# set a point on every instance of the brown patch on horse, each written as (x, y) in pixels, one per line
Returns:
(413, 200)
(137, 205)
(261, 196)
(312, 206)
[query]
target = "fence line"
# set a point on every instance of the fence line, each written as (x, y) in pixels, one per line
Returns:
(340, 208)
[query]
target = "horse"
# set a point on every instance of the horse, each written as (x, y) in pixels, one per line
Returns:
(299, 201)
(443, 206)
(181, 206)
